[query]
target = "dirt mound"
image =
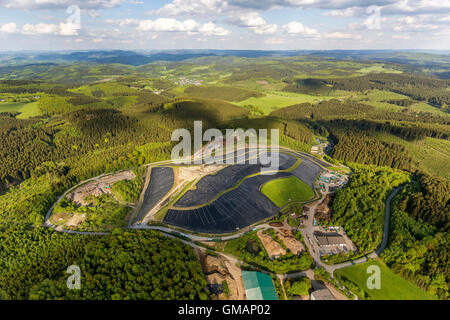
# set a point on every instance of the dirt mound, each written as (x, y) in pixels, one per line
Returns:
(276, 224)
(273, 248)
(324, 210)
(98, 187)
(290, 241)
(223, 277)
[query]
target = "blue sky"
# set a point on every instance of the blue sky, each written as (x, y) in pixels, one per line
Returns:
(224, 24)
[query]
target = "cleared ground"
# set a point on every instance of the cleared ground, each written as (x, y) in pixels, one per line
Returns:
(161, 181)
(285, 190)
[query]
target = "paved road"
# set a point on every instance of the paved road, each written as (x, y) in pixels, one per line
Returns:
(386, 219)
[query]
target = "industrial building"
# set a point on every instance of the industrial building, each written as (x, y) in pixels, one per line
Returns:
(258, 286)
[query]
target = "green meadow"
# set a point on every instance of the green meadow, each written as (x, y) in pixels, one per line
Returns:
(284, 190)
(393, 287)
(26, 110)
(277, 100)
(431, 154)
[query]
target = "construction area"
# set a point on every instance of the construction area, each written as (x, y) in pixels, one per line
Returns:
(273, 248)
(291, 242)
(98, 187)
(224, 278)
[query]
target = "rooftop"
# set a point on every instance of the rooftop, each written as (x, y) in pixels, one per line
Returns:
(258, 286)
(322, 294)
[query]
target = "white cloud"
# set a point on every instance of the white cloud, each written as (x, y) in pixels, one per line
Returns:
(349, 12)
(8, 28)
(68, 29)
(172, 25)
(40, 28)
(192, 7)
(168, 24)
(298, 28)
(266, 29)
(63, 29)
(342, 35)
(59, 4)
(211, 29)
(416, 23)
(255, 22)
(201, 7)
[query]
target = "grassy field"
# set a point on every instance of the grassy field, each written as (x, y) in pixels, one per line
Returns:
(26, 109)
(277, 100)
(378, 99)
(284, 190)
(393, 287)
(432, 154)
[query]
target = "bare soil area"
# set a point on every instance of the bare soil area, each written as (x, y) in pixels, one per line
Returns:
(273, 248)
(98, 187)
(290, 241)
(219, 269)
(191, 173)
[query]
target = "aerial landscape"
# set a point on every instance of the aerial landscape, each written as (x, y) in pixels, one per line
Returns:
(314, 163)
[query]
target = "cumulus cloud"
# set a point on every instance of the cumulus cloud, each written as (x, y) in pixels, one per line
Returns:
(189, 26)
(419, 23)
(255, 22)
(168, 25)
(298, 28)
(9, 28)
(59, 4)
(63, 29)
(211, 29)
(192, 7)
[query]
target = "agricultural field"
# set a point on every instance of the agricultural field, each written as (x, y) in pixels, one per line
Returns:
(393, 287)
(26, 110)
(432, 155)
(276, 100)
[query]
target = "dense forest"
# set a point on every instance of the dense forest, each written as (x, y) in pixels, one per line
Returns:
(123, 265)
(419, 241)
(359, 207)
